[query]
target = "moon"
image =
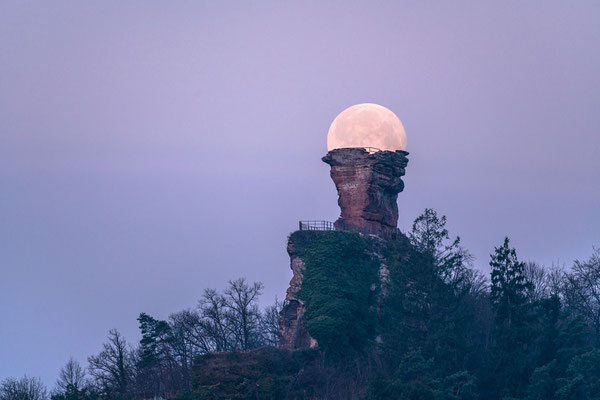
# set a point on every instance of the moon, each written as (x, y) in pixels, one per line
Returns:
(366, 125)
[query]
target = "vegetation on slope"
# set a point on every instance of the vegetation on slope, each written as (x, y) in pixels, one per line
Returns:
(339, 289)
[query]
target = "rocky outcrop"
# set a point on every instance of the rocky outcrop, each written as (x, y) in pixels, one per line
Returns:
(292, 333)
(368, 185)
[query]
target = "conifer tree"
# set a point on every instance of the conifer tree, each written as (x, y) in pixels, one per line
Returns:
(583, 378)
(509, 285)
(509, 299)
(430, 237)
(155, 335)
(429, 283)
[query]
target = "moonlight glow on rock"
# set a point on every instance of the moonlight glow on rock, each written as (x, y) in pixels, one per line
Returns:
(366, 125)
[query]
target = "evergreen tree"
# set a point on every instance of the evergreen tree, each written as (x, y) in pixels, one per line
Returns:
(543, 382)
(583, 378)
(417, 378)
(509, 299)
(561, 377)
(155, 335)
(428, 304)
(158, 370)
(574, 339)
(509, 285)
(430, 237)
(545, 324)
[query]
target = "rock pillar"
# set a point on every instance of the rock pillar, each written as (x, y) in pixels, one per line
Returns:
(368, 184)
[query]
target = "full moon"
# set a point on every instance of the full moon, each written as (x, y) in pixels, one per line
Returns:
(366, 125)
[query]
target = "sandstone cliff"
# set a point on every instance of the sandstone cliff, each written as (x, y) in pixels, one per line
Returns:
(368, 185)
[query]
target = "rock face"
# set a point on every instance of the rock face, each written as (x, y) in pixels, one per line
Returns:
(368, 185)
(292, 333)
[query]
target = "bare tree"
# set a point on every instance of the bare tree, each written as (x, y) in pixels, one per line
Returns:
(241, 300)
(26, 388)
(474, 282)
(581, 290)
(270, 323)
(71, 377)
(555, 279)
(183, 345)
(223, 321)
(215, 321)
(192, 328)
(538, 276)
(112, 367)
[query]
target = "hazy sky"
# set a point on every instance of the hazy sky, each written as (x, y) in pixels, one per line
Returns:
(149, 150)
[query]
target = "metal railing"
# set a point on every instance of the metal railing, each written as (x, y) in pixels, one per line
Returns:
(316, 226)
(365, 230)
(321, 225)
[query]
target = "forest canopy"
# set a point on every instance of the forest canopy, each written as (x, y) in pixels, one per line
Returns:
(431, 327)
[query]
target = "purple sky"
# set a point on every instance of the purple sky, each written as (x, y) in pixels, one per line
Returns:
(151, 150)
